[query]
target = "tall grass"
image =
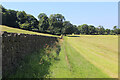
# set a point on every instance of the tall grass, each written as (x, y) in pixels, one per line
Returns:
(37, 64)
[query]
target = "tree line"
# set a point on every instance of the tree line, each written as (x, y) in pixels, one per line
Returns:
(54, 24)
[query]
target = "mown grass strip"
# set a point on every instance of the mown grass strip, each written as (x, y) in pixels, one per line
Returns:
(96, 55)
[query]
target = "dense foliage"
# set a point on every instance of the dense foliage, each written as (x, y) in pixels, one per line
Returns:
(55, 24)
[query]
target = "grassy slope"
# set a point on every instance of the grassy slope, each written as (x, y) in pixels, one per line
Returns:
(87, 57)
(15, 30)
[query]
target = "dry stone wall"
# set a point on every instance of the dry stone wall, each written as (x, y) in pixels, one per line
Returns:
(16, 46)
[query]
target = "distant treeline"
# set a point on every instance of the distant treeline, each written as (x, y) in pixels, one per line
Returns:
(54, 24)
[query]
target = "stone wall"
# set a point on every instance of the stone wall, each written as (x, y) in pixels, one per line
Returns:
(16, 46)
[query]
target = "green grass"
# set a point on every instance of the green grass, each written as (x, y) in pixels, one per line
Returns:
(81, 56)
(16, 30)
(88, 56)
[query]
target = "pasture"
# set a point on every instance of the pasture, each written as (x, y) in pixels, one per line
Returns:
(87, 56)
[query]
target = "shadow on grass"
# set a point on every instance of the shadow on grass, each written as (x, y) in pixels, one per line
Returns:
(73, 36)
(36, 65)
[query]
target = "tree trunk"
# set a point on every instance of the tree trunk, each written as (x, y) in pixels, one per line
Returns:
(61, 36)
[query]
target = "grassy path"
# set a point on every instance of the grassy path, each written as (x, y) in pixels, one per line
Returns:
(87, 57)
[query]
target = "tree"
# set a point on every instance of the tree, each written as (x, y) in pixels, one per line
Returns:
(32, 21)
(84, 29)
(80, 29)
(91, 29)
(107, 31)
(115, 29)
(8, 17)
(22, 17)
(97, 30)
(75, 28)
(118, 31)
(2, 9)
(101, 30)
(43, 22)
(68, 28)
(25, 25)
(4, 18)
(112, 32)
(56, 23)
(12, 18)
(26, 21)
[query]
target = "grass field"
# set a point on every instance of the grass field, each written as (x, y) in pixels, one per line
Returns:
(93, 56)
(16, 30)
(81, 56)
(87, 56)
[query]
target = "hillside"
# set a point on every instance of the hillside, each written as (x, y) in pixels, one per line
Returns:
(16, 30)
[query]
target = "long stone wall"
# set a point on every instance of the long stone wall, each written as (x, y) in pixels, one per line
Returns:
(16, 46)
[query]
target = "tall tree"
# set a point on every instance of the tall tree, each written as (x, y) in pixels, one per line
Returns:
(85, 29)
(112, 32)
(91, 29)
(12, 18)
(8, 17)
(80, 29)
(107, 31)
(43, 22)
(115, 29)
(21, 16)
(101, 30)
(68, 28)
(56, 23)
(26, 21)
(97, 31)
(75, 28)
(32, 21)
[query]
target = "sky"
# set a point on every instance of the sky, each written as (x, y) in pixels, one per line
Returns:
(91, 13)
